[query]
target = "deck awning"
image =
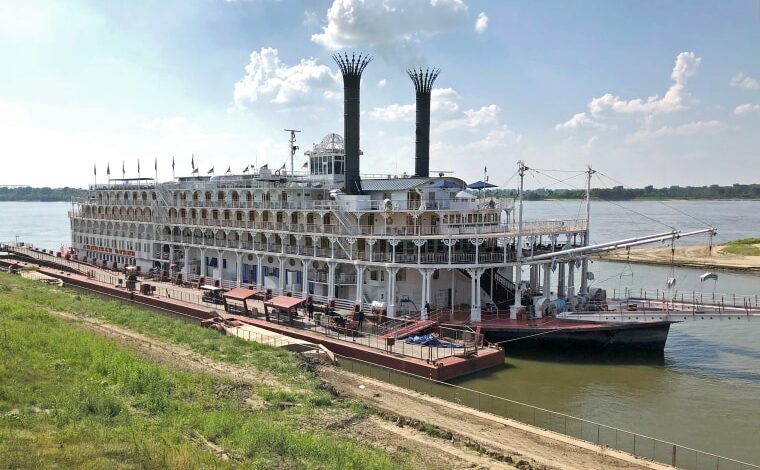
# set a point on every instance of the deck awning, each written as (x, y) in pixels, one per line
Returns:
(284, 302)
(240, 293)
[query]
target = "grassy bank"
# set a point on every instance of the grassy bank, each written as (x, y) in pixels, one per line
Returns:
(744, 247)
(70, 398)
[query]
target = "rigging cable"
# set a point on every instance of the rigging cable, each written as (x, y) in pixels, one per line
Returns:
(661, 202)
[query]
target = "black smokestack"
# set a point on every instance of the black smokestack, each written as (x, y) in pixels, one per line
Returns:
(352, 68)
(423, 85)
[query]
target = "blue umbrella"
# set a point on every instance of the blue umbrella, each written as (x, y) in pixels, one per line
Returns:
(443, 184)
(480, 185)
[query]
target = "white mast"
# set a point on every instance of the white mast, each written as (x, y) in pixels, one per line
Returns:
(293, 147)
(518, 246)
(586, 237)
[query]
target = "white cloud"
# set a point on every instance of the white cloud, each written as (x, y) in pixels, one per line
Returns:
(389, 26)
(686, 65)
(481, 24)
(382, 83)
(178, 128)
(443, 101)
(310, 18)
(748, 108)
(394, 112)
(740, 80)
(473, 119)
(691, 128)
(579, 121)
(267, 77)
(590, 143)
(332, 95)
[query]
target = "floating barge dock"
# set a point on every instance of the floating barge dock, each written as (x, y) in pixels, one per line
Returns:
(434, 362)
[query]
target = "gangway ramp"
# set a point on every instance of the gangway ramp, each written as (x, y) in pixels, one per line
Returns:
(271, 338)
(418, 326)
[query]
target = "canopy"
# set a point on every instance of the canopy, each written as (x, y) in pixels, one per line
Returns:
(208, 287)
(481, 185)
(443, 184)
(284, 302)
(464, 195)
(239, 293)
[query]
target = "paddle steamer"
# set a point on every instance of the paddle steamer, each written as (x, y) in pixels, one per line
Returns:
(331, 232)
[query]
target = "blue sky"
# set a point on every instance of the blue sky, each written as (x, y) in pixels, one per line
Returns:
(647, 92)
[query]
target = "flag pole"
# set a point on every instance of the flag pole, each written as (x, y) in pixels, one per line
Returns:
(95, 170)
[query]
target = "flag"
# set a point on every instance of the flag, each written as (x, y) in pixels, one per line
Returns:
(485, 169)
(95, 169)
(172, 163)
(108, 169)
(282, 167)
(305, 164)
(211, 171)
(245, 170)
(138, 167)
(123, 171)
(195, 171)
(229, 170)
(192, 161)
(265, 167)
(155, 165)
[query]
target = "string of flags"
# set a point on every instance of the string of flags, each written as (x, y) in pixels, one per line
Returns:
(194, 169)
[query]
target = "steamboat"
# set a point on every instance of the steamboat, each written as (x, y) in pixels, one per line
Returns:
(426, 249)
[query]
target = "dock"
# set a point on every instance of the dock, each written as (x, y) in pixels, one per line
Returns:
(443, 362)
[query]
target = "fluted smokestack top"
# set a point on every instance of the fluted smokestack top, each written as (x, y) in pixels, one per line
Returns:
(423, 80)
(352, 67)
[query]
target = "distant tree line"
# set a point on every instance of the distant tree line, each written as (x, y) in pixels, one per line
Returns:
(619, 193)
(28, 193)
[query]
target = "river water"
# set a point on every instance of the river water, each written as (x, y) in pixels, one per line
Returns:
(704, 393)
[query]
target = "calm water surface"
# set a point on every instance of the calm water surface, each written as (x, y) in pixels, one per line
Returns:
(704, 393)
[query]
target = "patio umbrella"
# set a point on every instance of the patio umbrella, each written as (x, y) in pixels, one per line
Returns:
(464, 195)
(480, 185)
(443, 184)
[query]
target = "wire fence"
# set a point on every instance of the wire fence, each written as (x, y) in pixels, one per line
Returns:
(651, 448)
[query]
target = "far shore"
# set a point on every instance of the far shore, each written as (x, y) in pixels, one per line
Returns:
(696, 256)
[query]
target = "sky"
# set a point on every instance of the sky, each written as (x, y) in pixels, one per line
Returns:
(660, 93)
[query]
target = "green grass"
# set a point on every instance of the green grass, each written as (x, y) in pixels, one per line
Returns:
(744, 247)
(73, 399)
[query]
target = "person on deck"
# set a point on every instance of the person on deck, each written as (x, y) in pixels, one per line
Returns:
(310, 310)
(360, 318)
(427, 310)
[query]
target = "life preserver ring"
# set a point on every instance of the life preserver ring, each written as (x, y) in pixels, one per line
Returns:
(277, 173)
(605, 307)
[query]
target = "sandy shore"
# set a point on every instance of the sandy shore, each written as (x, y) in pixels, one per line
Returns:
(697, 256)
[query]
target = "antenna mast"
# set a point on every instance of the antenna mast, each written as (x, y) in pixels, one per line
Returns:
(293, 146)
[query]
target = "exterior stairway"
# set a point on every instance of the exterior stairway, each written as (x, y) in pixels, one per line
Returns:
(503, 289)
